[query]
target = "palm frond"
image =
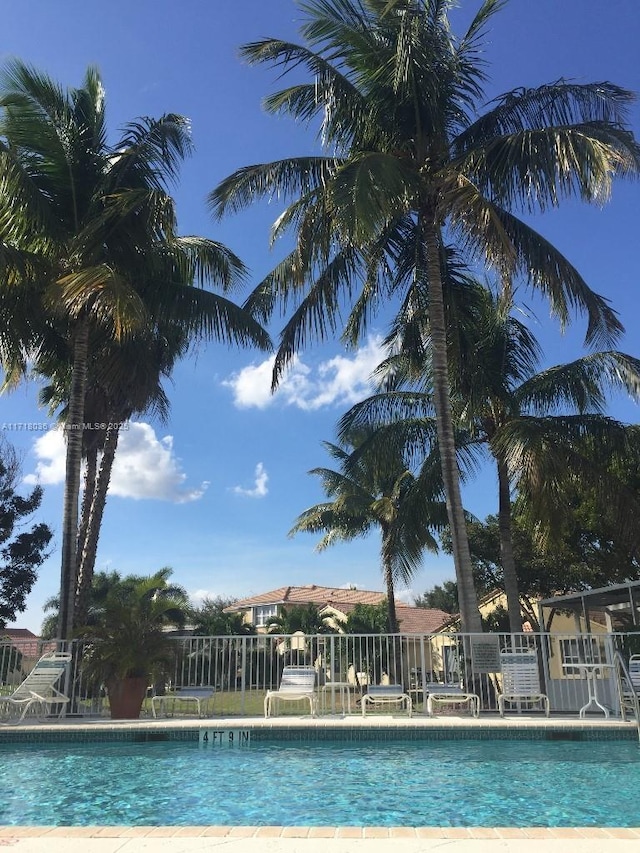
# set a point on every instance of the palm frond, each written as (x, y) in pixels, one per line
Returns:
(581, 384)
(105, 294)
(499, 235)
(281, 179)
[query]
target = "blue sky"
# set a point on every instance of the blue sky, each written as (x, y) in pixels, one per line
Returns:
(213, 492)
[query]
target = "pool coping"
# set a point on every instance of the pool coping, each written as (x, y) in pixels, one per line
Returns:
(318, 728)
(326, 832)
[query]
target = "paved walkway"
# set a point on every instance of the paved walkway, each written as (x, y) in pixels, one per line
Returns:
(316, 840)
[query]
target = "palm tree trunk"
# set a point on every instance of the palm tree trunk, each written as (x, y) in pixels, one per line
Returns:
(506, 550)
(87, 560)
(469, 613)
(91, 467)
(73, 428)
(391, 596)
(395, 658)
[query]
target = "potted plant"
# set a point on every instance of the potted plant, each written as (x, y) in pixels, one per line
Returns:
(127, 645)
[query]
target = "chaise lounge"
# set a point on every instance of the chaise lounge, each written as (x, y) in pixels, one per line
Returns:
(384, 694)
(185, 695)
(521, 680)
(451, 694)
(297, 682)
(38, 692)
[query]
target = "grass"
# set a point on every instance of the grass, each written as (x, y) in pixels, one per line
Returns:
(232, 703)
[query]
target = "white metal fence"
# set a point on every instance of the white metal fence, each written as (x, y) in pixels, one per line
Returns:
(242, 668)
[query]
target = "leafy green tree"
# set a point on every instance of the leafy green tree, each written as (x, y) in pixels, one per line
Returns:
(90, 247)
(367, 619)
(108, 584)
(210, 619)
(409, 163)
(440, 597)
(22, 551)
(587, 552)
(375, 490)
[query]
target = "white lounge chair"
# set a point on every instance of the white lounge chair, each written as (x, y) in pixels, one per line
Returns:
(521, 680)
(451, 694)
(384, 694)
(297, 682)
(38, 692)
(191, 695)
(629, 688)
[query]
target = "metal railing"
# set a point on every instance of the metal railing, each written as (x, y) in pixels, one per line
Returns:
(627, 693)
(243, 668)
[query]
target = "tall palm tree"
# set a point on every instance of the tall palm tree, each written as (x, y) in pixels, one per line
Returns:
(375, 489)
(129, 378)
(124, 379)
(410, 162)
(89, 238)
(538, 427)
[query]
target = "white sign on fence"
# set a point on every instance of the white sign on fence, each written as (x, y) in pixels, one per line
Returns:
(485, 654)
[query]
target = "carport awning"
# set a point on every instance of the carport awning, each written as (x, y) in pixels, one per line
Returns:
(623, 596)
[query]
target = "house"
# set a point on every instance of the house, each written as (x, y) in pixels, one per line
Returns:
(356, 658)
(332, 601)
(24, 640)
(20, 648)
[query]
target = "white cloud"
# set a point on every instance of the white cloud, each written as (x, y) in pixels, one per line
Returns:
(342, 380)
(49, 450)
(199, 596)
(145, 466)
(406, 596)
(259, 489)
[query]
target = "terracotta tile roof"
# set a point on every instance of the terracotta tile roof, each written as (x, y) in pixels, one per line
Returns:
(310, 594)
(27, 643)
(413, 620)
(420, 620)
(18, 634)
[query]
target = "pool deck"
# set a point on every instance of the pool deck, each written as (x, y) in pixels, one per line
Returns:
(293, 839)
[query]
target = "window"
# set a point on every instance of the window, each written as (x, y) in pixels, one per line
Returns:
(263, 613)
(583, 650)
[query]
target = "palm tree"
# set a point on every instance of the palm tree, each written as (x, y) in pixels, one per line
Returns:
(375, 489)
(538, 427)
(127, 640)
(90, 247)
(301, 617)
(410, 162)
(128, 380)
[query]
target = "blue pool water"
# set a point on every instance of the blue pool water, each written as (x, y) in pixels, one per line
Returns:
(398, 783)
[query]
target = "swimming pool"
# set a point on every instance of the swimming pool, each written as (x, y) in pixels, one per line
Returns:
(396, 783)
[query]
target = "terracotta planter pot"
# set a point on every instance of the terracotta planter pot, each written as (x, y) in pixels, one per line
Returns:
(126, 697)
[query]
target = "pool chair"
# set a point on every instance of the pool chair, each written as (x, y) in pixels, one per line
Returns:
(521, 681)
(296, 683)
(194, 696)
(385, 694)
(453, 695)
(38, 692)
